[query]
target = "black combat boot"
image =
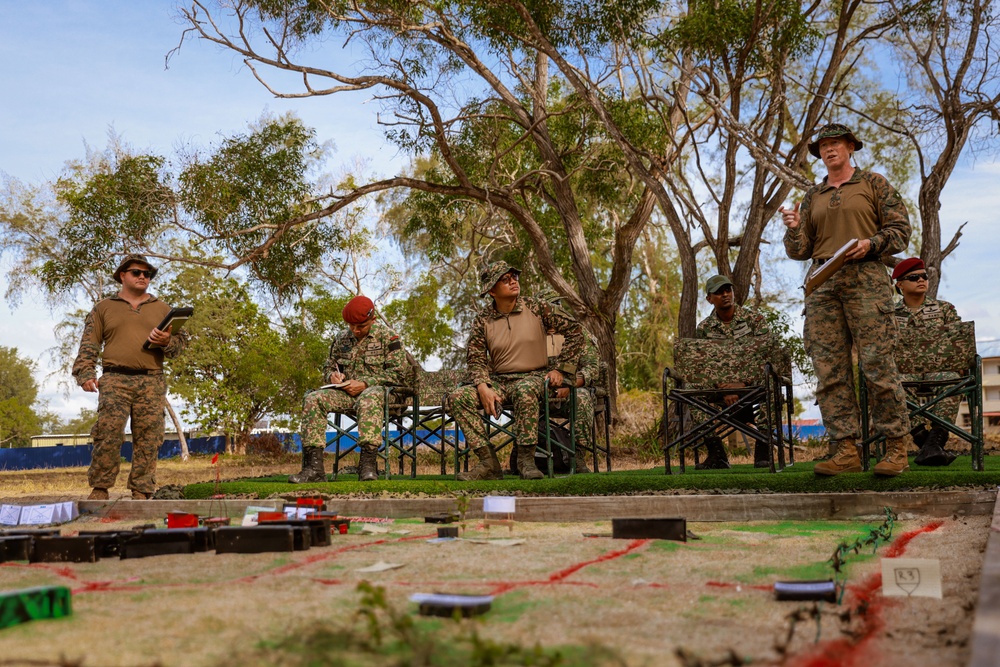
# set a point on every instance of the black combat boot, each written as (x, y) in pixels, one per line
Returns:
(932, 452)
(760, 455)
(367, 464)
(312, 467)
(717, 459)
(919, 434)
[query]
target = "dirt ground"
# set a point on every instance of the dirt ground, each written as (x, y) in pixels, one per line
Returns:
(643, 599)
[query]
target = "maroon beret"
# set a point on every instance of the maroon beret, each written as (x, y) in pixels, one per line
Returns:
(358, 310)
(907, 265)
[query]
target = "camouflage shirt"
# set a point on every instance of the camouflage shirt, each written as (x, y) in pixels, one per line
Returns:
(745, 322)
(378, 359)
(931, 313)
(119, 330)
(553, 319)
(886, 218)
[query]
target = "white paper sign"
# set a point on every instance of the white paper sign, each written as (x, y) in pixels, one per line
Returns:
(33, 515)
(10, 515)
(499, 504)
(911, 577)
(298, 512)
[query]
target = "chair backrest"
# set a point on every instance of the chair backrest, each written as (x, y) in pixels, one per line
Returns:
(433, 386)
(947, 348)
(706, 363)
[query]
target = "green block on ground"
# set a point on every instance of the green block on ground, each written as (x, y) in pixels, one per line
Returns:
(34, 604)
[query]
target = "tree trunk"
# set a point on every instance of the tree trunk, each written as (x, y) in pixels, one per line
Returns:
(185, 455)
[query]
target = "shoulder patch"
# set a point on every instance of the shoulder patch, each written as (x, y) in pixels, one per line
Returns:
(395, 344)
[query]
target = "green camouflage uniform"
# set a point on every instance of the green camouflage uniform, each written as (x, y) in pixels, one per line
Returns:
(523, 390)
(121, 397)
(855, 306)
(379, 361)
(932, 313)
(588, 368)
(745, 322)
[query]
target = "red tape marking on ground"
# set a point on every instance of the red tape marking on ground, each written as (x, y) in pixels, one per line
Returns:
(558, 577)
(866, 601)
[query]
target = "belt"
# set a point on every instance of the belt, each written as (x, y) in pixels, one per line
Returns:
(121, 370)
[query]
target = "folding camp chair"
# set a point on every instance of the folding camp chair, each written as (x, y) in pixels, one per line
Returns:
(394, 428)
(431, 426)
(566, 418)
(700, 366)
(500, 433)
(949, 349)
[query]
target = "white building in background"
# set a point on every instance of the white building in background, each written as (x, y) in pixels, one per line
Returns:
(990, 352)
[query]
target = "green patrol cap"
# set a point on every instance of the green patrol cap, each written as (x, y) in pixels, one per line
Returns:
(834, 130)
(128, 261)
(715, 283)
(492, 273)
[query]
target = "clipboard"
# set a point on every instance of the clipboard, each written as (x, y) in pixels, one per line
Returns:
(175, 319)
(821, 273)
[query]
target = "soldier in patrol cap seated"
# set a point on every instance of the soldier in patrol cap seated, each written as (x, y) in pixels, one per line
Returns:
(916, 310)
(730, 321)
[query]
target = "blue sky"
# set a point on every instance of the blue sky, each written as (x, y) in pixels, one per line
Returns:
(72, 70)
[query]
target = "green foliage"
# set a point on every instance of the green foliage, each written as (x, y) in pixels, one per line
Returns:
(781, 326)
(256, 184)
(82, 423)
(423, 319)
(236, 367)
(18, 393)
(759, 34)
(115, 203)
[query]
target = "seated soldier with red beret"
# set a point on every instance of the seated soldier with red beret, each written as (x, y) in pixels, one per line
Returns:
(916, 310)
(363, 360)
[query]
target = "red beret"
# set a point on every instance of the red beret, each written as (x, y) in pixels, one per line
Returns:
(907, 265)
(358, 310)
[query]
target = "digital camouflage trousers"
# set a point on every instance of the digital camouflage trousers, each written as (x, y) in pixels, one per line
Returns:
(584, 416)
(368, 408)
(522, 391)
(854, 308)
(141, 398)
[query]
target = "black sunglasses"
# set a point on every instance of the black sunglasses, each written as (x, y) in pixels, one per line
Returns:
(139, 272)
(913, 278)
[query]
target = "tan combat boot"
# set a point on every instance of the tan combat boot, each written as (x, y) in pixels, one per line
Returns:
(845, 459)
(488, 468)
(895, 461)
(526, 467)
(98, 494)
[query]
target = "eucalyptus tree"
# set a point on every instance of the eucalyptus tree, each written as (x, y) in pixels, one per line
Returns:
(948, 61)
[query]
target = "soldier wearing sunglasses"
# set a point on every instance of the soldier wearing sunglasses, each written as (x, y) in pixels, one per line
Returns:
(916, 310)
(131, 385)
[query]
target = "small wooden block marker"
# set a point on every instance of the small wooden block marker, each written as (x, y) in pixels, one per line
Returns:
(649, 529)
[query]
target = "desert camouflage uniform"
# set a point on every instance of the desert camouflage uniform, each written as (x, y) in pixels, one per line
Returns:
(855, 306)
(121, 397)
(933, 313)
(379, 361)
(523, 390)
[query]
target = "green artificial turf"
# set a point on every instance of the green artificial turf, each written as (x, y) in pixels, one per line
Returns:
(798, 478)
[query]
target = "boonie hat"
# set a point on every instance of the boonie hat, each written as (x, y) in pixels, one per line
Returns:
(715, 283)
(128, 261)
(358, 310)
(907, 265)
(834, 130)
(491, 274)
